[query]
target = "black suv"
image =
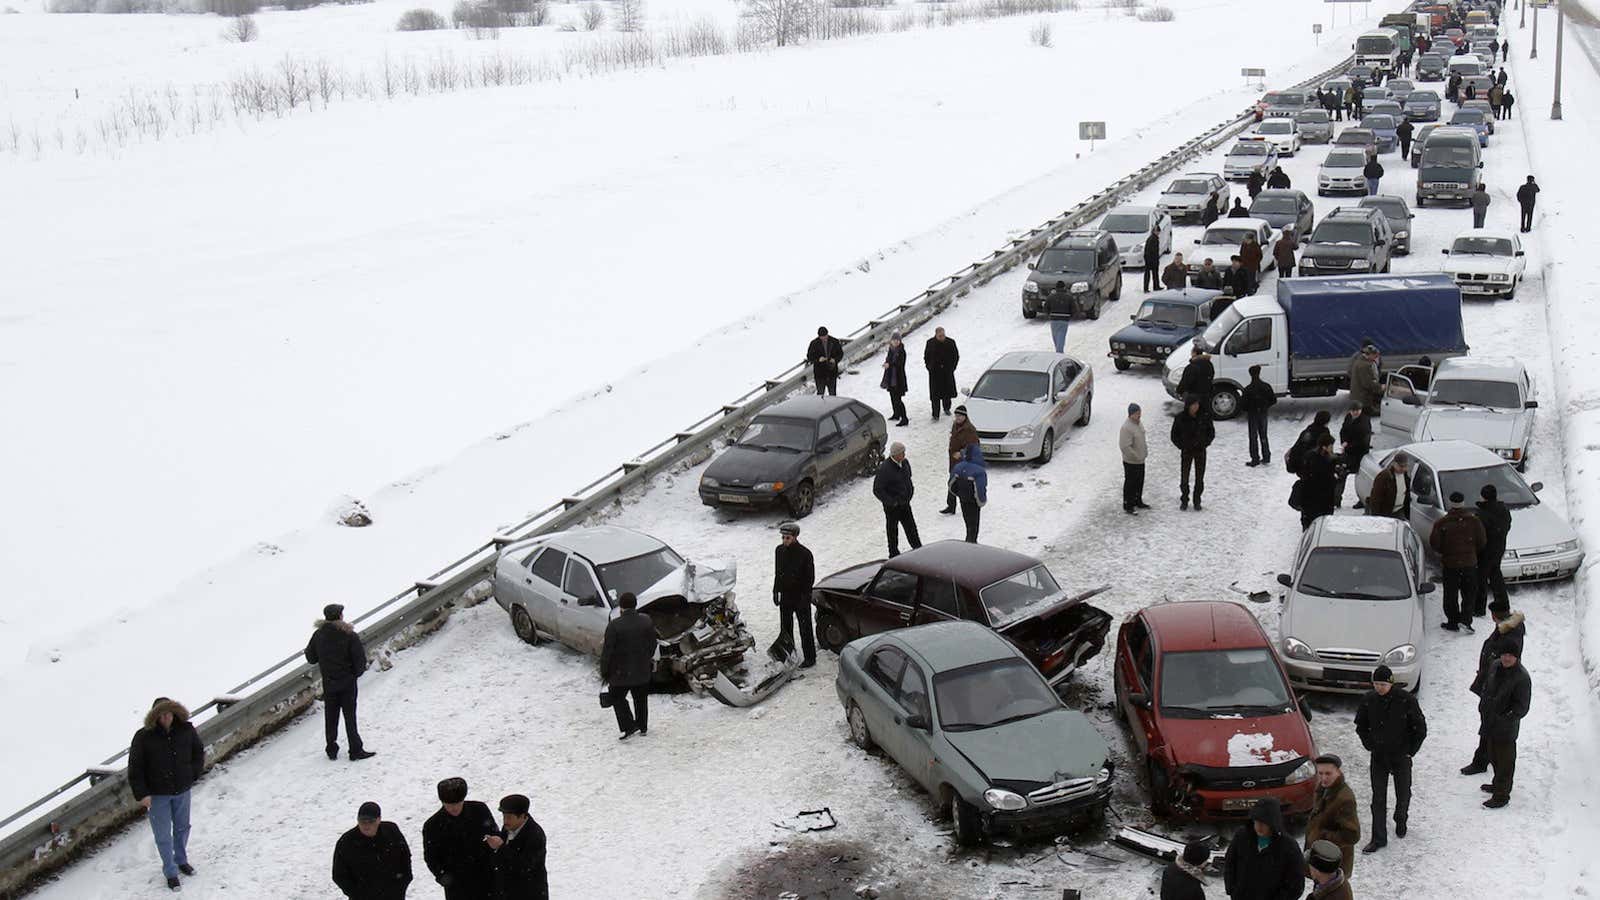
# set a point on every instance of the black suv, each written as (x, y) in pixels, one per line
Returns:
(1348, 241)
(1087, 266)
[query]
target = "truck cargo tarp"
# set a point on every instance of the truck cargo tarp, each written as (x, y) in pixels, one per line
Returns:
(1402, 314)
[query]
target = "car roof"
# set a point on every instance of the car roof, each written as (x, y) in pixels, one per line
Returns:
(1028, 361)
(1452, 455)
(945, 646)
(601, 544)
(806, 406)
(1080, 238)
(1199, 175)
(969, 565)
(1499, 368)
(1362, 213)
(1131, 210)
(1235, 222)
(1204, 625)
(1365, 532)
(1184, 296)
(1504, 234)
(1274, 193)
(1446, 130)
(1377, 201)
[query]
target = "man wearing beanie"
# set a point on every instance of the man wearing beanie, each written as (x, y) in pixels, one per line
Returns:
(1496, 519)
(1458, 538)
(1391, 726)
(454, 846)
(1263, 863)
(1505, 700)
(1334, 819)
(1185, 877)
(1328, 880)
(336, 649)
(963, 434)
(1135, 450)
(794, 572)
(372, 860)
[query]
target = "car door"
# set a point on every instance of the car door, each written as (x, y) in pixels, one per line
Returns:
(914, 746)
(854, 435)
(541, 588)
(1306, 220)
(1135, 676)
(1400, 408)
(582, 610)
(879, 696)
(938, 600)
(832, 456)
(1426, 505)
(888, 601)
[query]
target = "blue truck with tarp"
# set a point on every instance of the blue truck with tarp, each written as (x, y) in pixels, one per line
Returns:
(1304, 337)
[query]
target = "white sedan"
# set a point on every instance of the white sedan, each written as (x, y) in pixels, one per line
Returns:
(1486, 262)
(1284, 134)
(1248, 155)
(1488, 401)
(1130, 227)
(1024, 402)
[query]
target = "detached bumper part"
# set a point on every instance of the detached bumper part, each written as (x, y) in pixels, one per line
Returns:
(1158, 847)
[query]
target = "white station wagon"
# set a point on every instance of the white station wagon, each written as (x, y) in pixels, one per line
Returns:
(1488, 401)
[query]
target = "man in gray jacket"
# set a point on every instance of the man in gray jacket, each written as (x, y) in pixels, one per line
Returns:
(1134, 450)
(1480, 205)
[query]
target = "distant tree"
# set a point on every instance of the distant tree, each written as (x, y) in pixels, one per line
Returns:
(630, 15)
(781, 22)
(242, 30)
(420, 19)
(594, 15)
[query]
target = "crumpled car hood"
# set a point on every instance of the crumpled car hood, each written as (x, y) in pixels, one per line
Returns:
(695, 581)
(851, 580)
(1053, 747)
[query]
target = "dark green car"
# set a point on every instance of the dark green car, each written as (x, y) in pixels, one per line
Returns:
(968, 717)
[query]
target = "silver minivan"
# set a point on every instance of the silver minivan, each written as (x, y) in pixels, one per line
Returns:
(1448, 169)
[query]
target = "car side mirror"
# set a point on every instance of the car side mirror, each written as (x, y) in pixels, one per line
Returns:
(1197, 240)
(1133, 318)
(1531, 404)
(1411, 400)
(1140, 700)
(966, 392)
(590, 600)
(1446, 252)
(1536, 487)
(1426, 587)
(1521, 252)
(1285, 580)
(1032, 266)
(1480, 165)
(918, 722)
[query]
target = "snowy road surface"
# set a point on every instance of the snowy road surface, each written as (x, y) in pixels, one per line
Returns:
(695, 802)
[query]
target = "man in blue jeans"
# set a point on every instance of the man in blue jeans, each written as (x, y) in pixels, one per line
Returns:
(1058, 306)
(164, 759)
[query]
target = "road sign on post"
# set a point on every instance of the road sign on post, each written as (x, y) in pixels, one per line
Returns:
(1259, 74)
(1316, 29)
(1091, 132)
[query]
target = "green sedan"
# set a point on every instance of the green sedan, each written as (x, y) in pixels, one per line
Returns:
(990, 742)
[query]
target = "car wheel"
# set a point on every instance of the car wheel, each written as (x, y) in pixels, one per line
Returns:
(831, 632)
(1225, 403)
(1094, 311)
(1028, 313)
(801, 499)
(1088, 409)
(873, 459)
(522, 624)
(964, 816)
(1321, 192)
(1116, 292)
(1512, 294)
(1160, 789)
(1047, 448)
(1121, 364)
(1420, 204)
(859, 735)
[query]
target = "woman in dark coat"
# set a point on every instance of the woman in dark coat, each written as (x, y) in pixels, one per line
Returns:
(941, 357)
(894, 378)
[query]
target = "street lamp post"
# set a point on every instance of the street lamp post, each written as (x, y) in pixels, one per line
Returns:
(1534, 54)
(1523, 5)
(1555, 105)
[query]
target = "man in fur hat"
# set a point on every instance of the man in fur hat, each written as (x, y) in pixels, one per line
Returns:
(336, 649)
(164, 759)
(454, 846)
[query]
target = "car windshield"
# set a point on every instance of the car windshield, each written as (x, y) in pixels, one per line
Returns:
(1312, 116)
(1208, 683)
(1274, 205)
(1231, 236)
(1062, 259)
(1004, 599)
(1352, 136)
(1126, 223)
(1379, 123)
(1422, 98)
(1342, 233)
(1180, 314)
(1467, 117)
(1450, 156)
(1023, 387)
(1221, 326)
(639, 573)
(1248, 148)
(1374, 44)
(1484, 246)
(778, 434)
(1190, 186)
(1513, 490)
(1275, 126)
(1354, 574)
(990, 694)
(1392, 207)
(1475, 392)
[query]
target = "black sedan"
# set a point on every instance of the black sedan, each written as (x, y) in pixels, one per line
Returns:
(793, 450)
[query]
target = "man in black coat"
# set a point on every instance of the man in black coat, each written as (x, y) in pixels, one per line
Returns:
(1236, 281)
(893, 488)
(454, 846)
(164, 760)
(1279, 179)
(1262, 862)
(372, 861)
(940, 355)
(1192, 433)
(1527, 196)
(1510, 629)
(1355, 442)
(824, 354)
(1505, 699)
(1238, 211)
(1254, 184)
(1319, 482)
(1256, 398)
(1391, 726)
(627, 660)
(336, 649)
(1184, 877)
(1152, 261)
(1404, 133)
(1199, 376)
(794, 572)
(519, 850)
(1496, 519)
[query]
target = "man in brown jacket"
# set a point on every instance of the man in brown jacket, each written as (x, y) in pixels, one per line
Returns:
(962, 434)
(1458, 538)
(1333, 812)
(1391, 490)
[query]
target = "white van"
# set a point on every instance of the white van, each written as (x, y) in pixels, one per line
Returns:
(1464, 66)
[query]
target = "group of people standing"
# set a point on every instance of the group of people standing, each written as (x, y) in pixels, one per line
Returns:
(967, 485)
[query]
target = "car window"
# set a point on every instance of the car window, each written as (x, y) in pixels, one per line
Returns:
(578, 582)
(895, 587)
(1070, 368)
(1422, 485)
(850, 418)
(549, 564)
(914, 691)
(827, 429)
(885, 667)
(939, 594)
(1216, 683)
(1108, 252)
(1061, 379)
(1139, 650)
(1410, 547)
(1009, 597)
(1253, 336)
(638, 574)
(1355, 574)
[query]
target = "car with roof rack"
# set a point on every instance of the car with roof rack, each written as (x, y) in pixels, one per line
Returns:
(1085, 263)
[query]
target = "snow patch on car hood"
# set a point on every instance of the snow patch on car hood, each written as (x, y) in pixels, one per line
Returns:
(1256, 750)
(1210, 742)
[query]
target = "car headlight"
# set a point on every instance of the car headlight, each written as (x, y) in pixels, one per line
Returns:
(1163, 350)
(1006, 800)
(1307, 261)
(1502, 279)
(1079, 287)
(1118, 345)
(1359, 264)
(1512, 455)
(1404, 234)
(1025, 433)
(1302, 773)
(708, 481)
(1401, 655)
(1031, 287)
(1567, 546)
(1295, 648)
(1106, 772)
(773, 486)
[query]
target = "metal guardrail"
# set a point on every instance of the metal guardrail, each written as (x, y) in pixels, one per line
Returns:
(268, 700)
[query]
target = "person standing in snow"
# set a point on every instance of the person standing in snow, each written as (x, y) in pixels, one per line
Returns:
(1199, 376)
(1507, 692)
(1131, 442)
(1318, 485)
(1250, 258)
(1507, 101)
(1392, 728)
(894, 378)
(1208, 277)
(1192, 433)
(1527, 196)
(1404, 133)
(963, 434)
(1510, 628)
(824, 353)
(1263, 863)
(627, 660)
(1185, 877)
(1366, 385)
(1279, 179)
(1458, 538)
(1255, 183)
(1328, 881)
(1355, 442)
(165, 759)
(1211, 213)
(1480, 205)
(335, 649)
(940, 355)
(1175, 277)
(1152, 262)
(1238, 211)
(1058, 306)
(894, 489)
(1373, 172)
(1390, 494)
(454, 846)
(372, 861)
(1334, 818)
(519, 853)
(1283, 253)
(1496, 519)
(1256, 398)
(969, 481)
(794, 571)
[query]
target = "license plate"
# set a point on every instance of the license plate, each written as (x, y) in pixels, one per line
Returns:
(992, 449)
(1233, 803)
(1345, 675)
(1548, 568)
(733, 498)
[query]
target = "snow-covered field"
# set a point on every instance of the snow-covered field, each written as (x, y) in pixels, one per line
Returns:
(697, 800)
(457, 307)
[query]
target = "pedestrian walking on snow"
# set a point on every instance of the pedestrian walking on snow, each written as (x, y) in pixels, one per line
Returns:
(1152, 262)
(1185, 877)
(1192, 433)
(1390, 494)
(1131, 442)
(969, 481)
(454, 845)
(894, 489)
(1250, 257)
(1058, 307)
(1404, 132)
(1507, 693)
(1211, 213)
(1480, 205)
(940, 355)
(794, 571)
(627, 661)
(335, 649)
(1501, 78)
(824, 354)
(1373, 172)
(1318, 485)
(1355, 441)
(1238, 211)
(894, 378)
(372, 861)
(1527, 196)
(1283, 252)
(1255, 183)
(1256, 399)
(1262, 862)
(1505, 51)
(962, 435)
(519, 853)
(165, 758)
(1333, 812)
(1495, 94)
(1175, 277)
(1507, 101)
(1328, 880)
(1279, 179)
(1496, 519)
(1510, 629)
(1366, 385)
(1392, 728)
(1458, 538)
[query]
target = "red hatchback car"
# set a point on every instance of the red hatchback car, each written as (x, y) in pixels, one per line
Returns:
(1211, 712)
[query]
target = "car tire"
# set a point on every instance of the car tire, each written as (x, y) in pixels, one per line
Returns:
(1224, 403)
(1321, 192)
(1512, 294)
(1047, 448)
(1121, 364)
(1116, 292)
(967, 827)
(1028, 313)
(522, 624)
(872, 460)
(801, 499)
(1160, 789)
(831, 631)
(859, 733)
(1088, 410)
(1093, 312)
(1420, 204)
